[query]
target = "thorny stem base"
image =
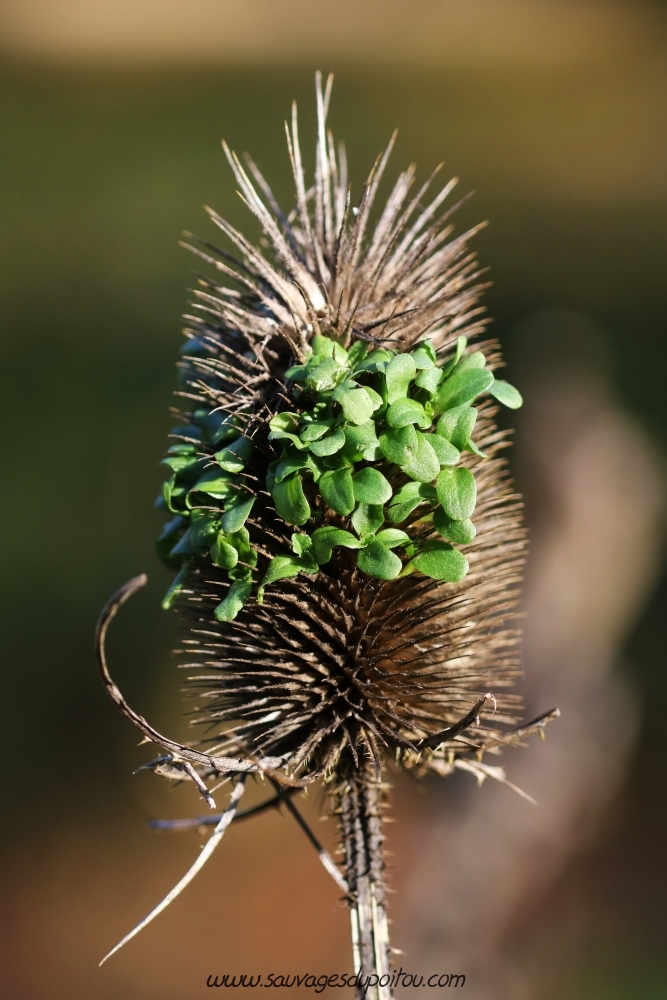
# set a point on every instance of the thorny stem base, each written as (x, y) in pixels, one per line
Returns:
(360, 812)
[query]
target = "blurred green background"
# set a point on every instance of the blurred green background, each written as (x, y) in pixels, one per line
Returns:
(101, 168)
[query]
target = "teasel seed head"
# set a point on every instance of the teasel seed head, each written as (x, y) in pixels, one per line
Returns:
(336, 436)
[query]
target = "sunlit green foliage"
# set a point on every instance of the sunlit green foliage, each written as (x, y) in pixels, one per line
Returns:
(373, 435)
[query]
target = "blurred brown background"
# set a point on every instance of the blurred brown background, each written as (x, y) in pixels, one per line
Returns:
(112, 112)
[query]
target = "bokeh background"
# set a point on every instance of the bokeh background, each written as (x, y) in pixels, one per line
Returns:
(112, 114)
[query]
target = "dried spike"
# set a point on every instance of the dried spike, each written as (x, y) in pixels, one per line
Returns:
(204, 855)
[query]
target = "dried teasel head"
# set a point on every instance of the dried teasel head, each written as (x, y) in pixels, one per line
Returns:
(336, 439)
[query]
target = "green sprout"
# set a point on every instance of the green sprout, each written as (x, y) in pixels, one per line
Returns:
(375, 434)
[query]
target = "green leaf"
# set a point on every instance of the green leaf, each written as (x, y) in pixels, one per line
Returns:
(327, 538)
(391, 537)
(457, 492)
(236, 455)
(196, 539)
(271, 475)
(375, 397)
(223, 554)
(336, 490)
(412, 490)
(280, 568)
(175, 589)
(314, 467)
(218, 426)
(343, 386)
(399, 511)
(337, 461)
(216, 483)
(441, 562)
(400, 444)
(506, 394)
(178, 463)
(470, 361)
(370, 486)
(284, 421)
(290, 500)
(446, 453)
(461, 345)
(340, 354)
(166, 496)
(243, 569)
(234, 518)
(325, 347)
(471, 446)
(237, 595)
(204, 526)
(183, 547)
(176, 495)
(189, 431)
(187, 468)
(425, 466)
(375, 361)
(289, 464)
(297, 373)
(201, 415)
(301, 544)
(461, 532)
(288, 436)
(357, 405)
(376, 560)
(456, 425)
(361, 442)
(182, 449)
(367, 518)
(286, 425)
(326, 375)
(462, 387)
(241, 541)
(398, 374)
(357, 352)
(429, 379)
(407, 498)
(315, 430)
(407, 411)
(330, 444)
(222, 433)
(424, 355)
(240, 572)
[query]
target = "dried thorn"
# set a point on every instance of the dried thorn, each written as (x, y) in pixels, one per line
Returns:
(187, 824)
(203, 790)
(472, 718)
(217, 835)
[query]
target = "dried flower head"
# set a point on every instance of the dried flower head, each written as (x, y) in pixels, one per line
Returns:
(335, 439)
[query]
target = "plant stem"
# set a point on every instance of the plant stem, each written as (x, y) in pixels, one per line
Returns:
(360, 810)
